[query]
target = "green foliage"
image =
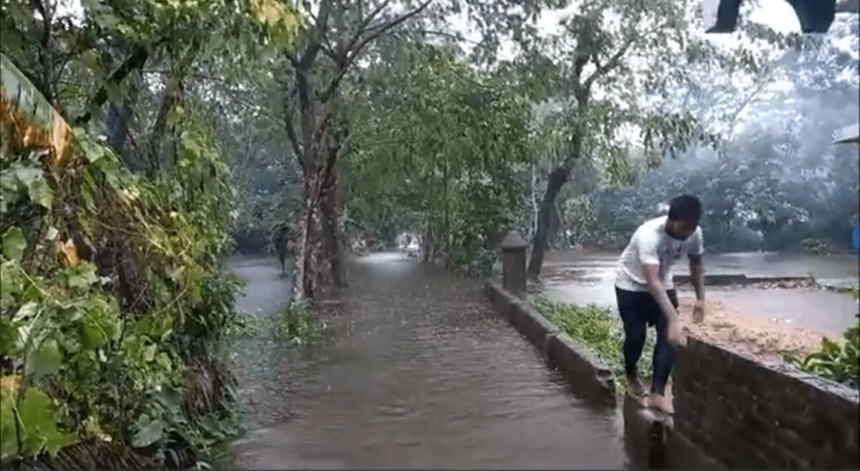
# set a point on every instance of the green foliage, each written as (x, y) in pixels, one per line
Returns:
(440, 140)
(836, 361)
(163, 427)
(297, 325)
(600, 330)
(816, 246)
(87, 362)
(854, 291)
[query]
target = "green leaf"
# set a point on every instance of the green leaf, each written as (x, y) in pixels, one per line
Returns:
(26, 311)
(148, 432)
(8, 429)
(47, 360)
(99, 324)
(149, 352)
(41, 193)
(39, 420)
(80, 276)
(14, 244)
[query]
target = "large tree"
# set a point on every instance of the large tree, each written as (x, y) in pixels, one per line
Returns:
(334, 37)
(607, 50)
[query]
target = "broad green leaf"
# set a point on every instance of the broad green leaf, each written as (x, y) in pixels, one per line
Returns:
(46, 360)
(80, 276)
(147, 432)
(14, 244)
(149, 352)
(39, 421)
(8, 337)
(10, 282)
(8, 429)
(41, 193)
(26, 311)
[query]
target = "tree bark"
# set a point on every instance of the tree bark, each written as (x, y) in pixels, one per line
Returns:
(557, 179)
(171, 98)
(332, 240)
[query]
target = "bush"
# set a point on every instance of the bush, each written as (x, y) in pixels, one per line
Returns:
(834, 361)
(600, 330)
(298, 325)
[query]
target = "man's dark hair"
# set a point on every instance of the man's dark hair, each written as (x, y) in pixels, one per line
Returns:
(686, 208)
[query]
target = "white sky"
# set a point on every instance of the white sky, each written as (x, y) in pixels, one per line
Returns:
(777, 14)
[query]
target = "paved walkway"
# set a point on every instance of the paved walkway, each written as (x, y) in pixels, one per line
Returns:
(414, 371)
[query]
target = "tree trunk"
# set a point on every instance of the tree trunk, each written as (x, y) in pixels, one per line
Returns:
(116, 126)
(159, 136)
(557, 179)
(306, 249)
(332, 239)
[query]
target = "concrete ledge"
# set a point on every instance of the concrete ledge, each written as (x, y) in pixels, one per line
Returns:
(741, 279)
(587, 375)
(651, 442)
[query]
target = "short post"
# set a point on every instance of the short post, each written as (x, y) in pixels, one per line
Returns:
(514, 264)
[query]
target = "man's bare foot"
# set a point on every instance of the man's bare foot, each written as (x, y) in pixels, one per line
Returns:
(635, 387)
(659, 402)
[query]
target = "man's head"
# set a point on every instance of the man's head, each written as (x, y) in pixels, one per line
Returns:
(684, 214)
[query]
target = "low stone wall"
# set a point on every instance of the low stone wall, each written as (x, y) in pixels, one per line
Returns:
(741, 279)
(746, 414)
(587, 375)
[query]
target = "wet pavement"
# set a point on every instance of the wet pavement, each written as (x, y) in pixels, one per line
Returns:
(414, 371)
(589, 278)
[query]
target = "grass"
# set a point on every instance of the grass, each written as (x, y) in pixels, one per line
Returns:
(296, 324)
(601, 331)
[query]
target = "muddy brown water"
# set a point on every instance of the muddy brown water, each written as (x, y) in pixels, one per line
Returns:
(589, 278)
(413, 371)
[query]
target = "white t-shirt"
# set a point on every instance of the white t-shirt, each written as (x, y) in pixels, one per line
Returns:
(651, 244)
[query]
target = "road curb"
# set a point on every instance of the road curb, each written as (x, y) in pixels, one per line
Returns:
(587, 375)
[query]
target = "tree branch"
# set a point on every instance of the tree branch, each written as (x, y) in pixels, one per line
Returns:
(354, 51)
(291, 134)
(615, 59)
(135, 60)
(313, 48)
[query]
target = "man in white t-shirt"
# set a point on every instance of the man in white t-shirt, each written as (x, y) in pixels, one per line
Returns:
(645, 292)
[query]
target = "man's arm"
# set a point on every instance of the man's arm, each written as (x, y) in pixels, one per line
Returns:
(697, 274)
(697, 268)
(658, 291)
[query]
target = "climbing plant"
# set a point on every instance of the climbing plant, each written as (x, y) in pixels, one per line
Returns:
(113, 293)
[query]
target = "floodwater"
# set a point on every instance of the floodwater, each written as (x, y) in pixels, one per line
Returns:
(589, 278)
(414, 371)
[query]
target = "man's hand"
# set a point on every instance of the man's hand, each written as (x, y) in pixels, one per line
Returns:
(698, 312)
(673, 333)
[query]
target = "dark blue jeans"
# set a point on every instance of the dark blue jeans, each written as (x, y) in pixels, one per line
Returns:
(639, 310)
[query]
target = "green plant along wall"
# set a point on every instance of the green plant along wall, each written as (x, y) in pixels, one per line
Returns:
(114, 300)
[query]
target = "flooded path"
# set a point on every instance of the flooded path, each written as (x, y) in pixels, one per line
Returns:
(414, 371)
(589, 278)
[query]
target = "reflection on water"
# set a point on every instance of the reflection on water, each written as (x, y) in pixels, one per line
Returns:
(414, 371)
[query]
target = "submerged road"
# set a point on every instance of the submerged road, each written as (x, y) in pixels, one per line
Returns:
(414, 371)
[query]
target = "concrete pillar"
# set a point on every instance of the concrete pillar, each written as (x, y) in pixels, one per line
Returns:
(514, 264)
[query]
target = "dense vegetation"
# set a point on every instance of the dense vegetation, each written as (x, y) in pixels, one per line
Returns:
(115, 300)
(164, 131)
(599, 330)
